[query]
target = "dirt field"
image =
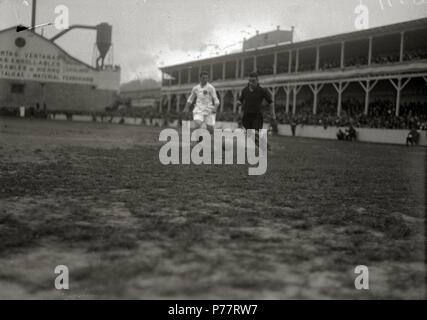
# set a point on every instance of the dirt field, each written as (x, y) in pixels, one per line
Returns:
(94, 197)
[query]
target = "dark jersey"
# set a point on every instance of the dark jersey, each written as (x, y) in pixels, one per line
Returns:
(252, 100)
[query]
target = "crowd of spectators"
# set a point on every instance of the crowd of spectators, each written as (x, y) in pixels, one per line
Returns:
(415, 54)
(362, 60)
(9, 111)
(34, 111)
(356, 61)
(381, 114)
(148, 113)
(386, 58)
(330, 64)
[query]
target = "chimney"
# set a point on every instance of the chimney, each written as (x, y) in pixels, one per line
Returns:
(257, 32)
(278, 28)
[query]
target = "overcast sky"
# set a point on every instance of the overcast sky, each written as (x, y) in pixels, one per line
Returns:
(152, 33)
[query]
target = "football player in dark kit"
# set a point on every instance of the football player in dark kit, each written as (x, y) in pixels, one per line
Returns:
(251, 99)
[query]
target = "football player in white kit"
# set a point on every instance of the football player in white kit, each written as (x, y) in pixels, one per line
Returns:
(206, 103)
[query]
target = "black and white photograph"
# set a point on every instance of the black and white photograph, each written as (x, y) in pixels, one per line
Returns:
(222, 150)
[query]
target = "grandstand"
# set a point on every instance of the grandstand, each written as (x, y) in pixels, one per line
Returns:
(371, 78)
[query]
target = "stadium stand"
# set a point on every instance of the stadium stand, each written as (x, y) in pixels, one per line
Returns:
(384, 61)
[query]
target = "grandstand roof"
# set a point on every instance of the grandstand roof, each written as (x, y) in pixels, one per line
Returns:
(383, 30)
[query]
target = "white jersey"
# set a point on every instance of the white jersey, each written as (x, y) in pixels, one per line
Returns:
(206, 99)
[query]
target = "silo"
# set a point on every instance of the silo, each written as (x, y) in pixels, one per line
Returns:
(103, 40)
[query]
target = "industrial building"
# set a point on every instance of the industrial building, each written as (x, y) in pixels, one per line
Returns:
(36, 72)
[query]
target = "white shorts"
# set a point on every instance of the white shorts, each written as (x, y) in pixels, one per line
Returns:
(209, 119)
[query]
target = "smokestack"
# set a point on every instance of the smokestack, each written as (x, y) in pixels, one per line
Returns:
(33, 15)
(278, 27)
(257, 32)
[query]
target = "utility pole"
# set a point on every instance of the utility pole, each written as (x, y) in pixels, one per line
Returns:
(33, 15)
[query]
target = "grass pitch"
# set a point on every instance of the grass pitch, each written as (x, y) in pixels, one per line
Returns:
(94, 197)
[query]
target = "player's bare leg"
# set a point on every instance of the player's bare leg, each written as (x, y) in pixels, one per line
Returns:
(197, 125)
(211, 129)
(265, 146)
(257, 137)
